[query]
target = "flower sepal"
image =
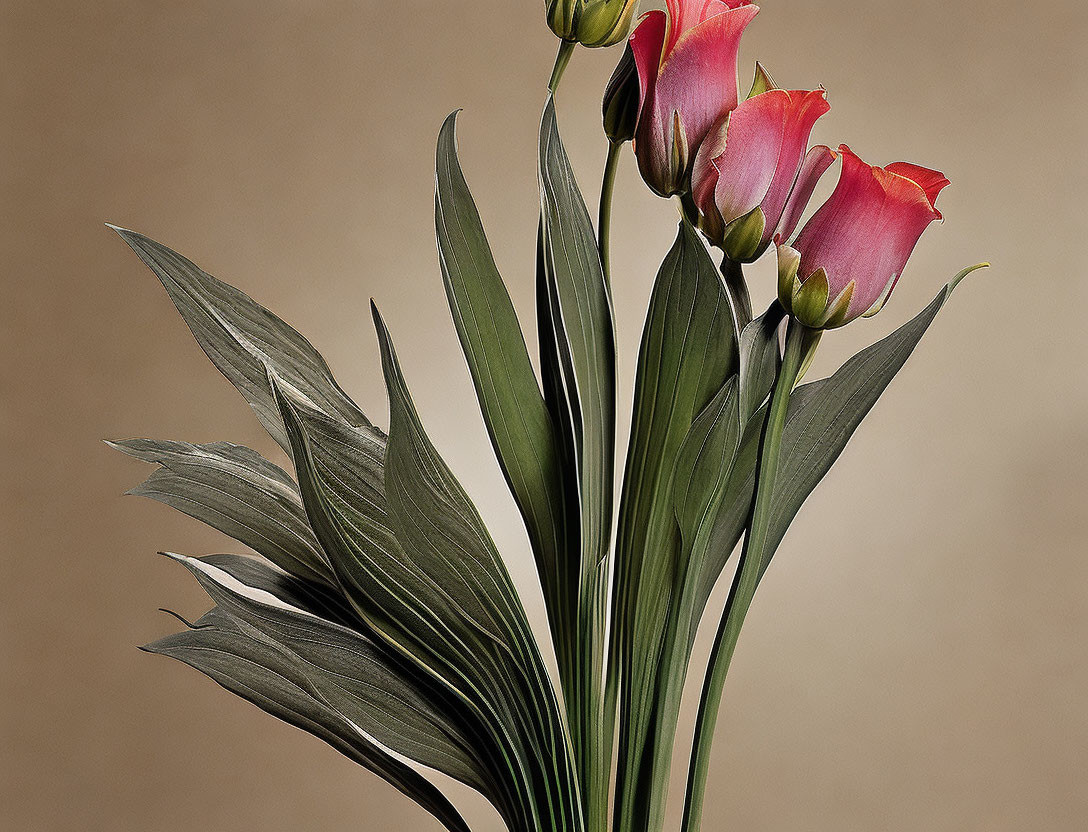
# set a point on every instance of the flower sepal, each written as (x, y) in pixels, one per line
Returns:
(743, 237)
(762, 81)
(810, 302)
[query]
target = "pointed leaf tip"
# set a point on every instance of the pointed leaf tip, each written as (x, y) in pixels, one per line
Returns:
(447, 133)
(955, 281)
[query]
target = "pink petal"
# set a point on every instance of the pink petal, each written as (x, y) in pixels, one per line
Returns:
(704, 173)
(816, 162)
(699, 76)
(800, 114)
(687, 14)
(753, 144)
(931, 181)
(646, 42)
(865, 232)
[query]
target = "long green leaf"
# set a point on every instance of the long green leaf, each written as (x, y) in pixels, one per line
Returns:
(271, 677)
(758, 367)
(237, 491)
(425, 585)
(435, 519)
(514, 411)
(821, 418)
(578, 360)
(242, 338)
(824, 414)
(687, 353)
(341, 477)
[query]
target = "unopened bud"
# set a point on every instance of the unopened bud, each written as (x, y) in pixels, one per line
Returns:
(621, 99)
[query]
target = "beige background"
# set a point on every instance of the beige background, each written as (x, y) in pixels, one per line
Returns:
(916, 658)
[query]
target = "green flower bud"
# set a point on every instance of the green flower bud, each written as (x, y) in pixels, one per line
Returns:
(605, 22)
(621, 99)
(591, 22)
(563, 16)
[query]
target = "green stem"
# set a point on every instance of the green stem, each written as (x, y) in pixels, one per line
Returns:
(566, 49)
(732, 271)
(739, 298)
(604, 215)
(800, 342)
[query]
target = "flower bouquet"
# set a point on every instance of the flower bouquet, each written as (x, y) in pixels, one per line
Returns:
(377, 613)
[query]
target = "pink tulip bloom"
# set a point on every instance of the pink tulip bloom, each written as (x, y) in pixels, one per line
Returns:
(752, 177)
(849, 256)
(687, 72)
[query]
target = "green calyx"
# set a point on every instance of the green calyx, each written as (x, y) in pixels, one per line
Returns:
(810, 301)
(678, 153)
(743, 238)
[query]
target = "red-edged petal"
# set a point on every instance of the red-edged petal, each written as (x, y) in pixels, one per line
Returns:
(704, 173)
(833, 236)
(646, 43)
(815, 164)
(865, 232)
(687, 14)
(698, 78)
(801, 111)
(932, 182)
(753, 143)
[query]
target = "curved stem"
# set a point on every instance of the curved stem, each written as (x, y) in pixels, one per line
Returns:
(800, 342)
(562, 58)
(604, 215)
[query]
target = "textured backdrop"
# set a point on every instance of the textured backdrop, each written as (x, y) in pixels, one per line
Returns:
(915, 659)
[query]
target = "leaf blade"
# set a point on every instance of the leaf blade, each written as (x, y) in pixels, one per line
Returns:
(241, 338)
(238, 492)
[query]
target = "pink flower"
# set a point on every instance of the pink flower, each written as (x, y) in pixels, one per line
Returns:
(752, 177)
(687, 72)
(848, 257)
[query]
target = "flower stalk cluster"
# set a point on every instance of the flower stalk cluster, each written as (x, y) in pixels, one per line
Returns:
(378, 614)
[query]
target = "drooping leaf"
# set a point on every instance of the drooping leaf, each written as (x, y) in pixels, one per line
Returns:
(440, 606)
(347, 670)
(269, 676)
(262, 575)
(242, 338)
(514, 411)
(237, 491)
(342, 480)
